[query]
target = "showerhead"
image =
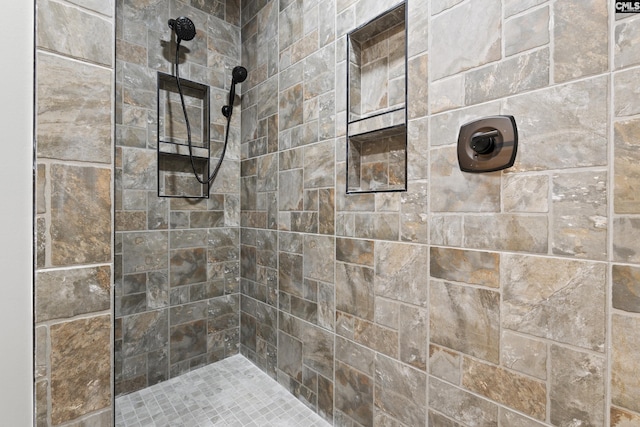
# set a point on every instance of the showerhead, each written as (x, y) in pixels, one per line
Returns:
(238, 74)
(184, 28)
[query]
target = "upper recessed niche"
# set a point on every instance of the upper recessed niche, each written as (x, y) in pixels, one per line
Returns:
(377, 100)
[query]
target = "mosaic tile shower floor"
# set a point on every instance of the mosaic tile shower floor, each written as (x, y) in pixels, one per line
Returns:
(232, 392)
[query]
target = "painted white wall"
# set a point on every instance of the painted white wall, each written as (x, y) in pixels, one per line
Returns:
(16, 214)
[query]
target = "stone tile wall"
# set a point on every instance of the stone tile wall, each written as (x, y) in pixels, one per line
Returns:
(502, 299)
(177, 262)
(73, 199)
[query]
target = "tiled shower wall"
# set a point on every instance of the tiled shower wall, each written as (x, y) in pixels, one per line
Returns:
(177, 262)
(74, 63)
(501, 299)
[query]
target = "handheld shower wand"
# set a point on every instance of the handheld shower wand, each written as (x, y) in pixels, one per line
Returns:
(238, 75)
(186, 30)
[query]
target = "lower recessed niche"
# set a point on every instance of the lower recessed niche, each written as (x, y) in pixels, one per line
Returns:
(377, 161)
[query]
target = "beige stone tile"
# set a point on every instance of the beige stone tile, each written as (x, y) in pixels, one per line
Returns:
(625, 96)
(80, 368)
(376, 337)
(622, 418)
(466, 319)
(478, 268)
(626, 232)
(505, 387)
(562, 300)
(626, 175)
(80, 215)
(626, 288)
(577, 387)
(574, 55)
(418, 95)
(625, 382)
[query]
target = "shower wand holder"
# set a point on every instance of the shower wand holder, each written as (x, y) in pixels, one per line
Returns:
(487, 145)
(227, 110)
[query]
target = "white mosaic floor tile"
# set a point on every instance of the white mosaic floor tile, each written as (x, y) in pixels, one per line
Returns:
(230, 393)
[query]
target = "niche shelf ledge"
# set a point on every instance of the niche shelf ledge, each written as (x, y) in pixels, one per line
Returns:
(175, 173)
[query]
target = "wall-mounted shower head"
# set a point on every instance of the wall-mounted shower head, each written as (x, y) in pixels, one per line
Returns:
(184, 28)
(238, 74)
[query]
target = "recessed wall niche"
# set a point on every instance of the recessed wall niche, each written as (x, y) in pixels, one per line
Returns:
(377, 101)
(175, 173)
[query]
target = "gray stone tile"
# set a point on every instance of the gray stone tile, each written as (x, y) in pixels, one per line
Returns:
(527, 31)
(626, 157)
(577, 387)
(68, 129)
(573, 55)
(574, 113)
(466, 319)
(455, 191)
(627, 35)
(527, 72)
(451, 54)
(401, 272)
(558, 299)
(479, 268)
(579, 221)
(401, 392)
(96, 31)
(460, 405)
(68, 293)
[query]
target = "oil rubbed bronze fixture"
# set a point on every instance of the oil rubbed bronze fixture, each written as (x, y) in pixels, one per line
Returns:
(487, 145)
